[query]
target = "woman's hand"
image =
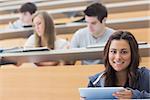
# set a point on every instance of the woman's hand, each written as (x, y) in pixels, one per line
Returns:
(124, 94)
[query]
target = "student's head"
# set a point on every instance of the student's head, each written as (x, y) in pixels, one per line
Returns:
(44, 28)
(95, 16)
(121, 54)
(27, 10)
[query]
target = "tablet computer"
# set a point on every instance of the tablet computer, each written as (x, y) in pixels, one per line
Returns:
(99, 92)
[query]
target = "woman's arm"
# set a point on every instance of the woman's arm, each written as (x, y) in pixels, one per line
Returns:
(131, 94)
(52, 63)
(140, 94)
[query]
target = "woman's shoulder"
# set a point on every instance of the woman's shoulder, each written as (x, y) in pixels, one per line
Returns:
(98, 79)
(144, 71)
(61, 43)
(96, 76)
(31, 38)
(30, 42)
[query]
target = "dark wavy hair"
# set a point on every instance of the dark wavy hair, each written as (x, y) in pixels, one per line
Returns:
(135, 59)
(97, 10)
(28, 7)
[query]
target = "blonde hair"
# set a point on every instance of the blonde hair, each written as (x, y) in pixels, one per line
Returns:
(49, 31)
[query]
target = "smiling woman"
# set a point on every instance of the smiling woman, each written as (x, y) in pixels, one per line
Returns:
(121, 60)
(119, 56)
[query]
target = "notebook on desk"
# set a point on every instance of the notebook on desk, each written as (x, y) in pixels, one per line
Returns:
(15, 50)
(96, 45)
(142, 43)
(99, 93)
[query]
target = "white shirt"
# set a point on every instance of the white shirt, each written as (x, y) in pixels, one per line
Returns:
(83, 38)
(59, 43)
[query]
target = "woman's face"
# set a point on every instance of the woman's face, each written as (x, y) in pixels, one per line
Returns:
(119, 55)
(38, 22)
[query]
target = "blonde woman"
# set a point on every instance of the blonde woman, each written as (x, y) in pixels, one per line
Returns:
(45, 35)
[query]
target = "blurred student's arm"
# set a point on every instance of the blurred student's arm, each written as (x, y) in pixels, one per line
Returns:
(51, 63)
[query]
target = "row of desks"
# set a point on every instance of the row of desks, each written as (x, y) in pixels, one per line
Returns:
(18, 2)
(44, 5)
(129, 23)
(66, 12)
(54, 3)
(67, 55)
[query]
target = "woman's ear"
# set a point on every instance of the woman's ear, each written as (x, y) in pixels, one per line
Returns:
(104, 20)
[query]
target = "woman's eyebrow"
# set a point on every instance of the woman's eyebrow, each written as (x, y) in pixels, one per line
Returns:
(113, 49)
(124, 49)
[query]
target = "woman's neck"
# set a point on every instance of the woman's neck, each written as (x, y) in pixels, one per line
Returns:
(121, 78)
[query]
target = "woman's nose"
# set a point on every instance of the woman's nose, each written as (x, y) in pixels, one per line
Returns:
(118, 56)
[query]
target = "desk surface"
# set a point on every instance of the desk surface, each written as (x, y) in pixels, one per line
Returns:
(129, 23)
(17, 2)
(45, 83)
(45, 4)
(15, 33)
(68, 55)
(112, 8)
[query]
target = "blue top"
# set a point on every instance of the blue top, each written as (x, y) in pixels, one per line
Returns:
(142, 89)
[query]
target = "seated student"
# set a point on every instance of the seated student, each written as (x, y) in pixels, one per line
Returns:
(121, 60)
(96, 31)
(26, 12)
(45, 35)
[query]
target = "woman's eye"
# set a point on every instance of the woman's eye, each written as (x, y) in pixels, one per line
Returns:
(113, 52)
(124, 52)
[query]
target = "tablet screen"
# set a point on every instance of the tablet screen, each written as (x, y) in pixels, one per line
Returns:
(99, 93)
